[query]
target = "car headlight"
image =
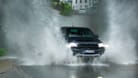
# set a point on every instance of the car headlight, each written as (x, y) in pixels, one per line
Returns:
(100, 45)
(72, 44)
(103, 45)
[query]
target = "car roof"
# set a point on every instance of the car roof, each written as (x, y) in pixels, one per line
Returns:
(74, 27)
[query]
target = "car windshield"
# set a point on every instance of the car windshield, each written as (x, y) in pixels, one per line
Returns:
(80, 32)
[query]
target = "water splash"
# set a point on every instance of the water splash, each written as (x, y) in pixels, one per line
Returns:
(32, 33)
(122, 21)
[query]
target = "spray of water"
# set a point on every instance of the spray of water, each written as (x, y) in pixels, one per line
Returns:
(32, 33)
(122, 21)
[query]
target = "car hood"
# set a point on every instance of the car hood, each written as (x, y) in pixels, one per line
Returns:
(83, 39)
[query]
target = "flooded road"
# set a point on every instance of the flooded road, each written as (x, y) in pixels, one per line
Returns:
(105, 71)
(28, 28)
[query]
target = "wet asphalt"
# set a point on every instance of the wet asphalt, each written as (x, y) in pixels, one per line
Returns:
(65, 71)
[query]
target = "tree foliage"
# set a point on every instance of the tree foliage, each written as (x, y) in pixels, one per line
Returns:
(2, 51)
(64, 7)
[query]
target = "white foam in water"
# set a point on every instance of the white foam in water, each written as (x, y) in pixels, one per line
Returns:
(87, 64)
(32, 33)
(122, 21)
(95, 63)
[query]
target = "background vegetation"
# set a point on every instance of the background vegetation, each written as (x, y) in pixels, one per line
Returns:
(64, 8)
(2, 51)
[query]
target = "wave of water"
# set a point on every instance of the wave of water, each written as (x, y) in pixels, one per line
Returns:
(122, 22)
(32, 33)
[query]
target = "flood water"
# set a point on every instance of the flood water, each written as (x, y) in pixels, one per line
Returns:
(29, 31)
(121, 71)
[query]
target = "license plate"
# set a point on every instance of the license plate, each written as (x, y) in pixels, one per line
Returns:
(89, 51)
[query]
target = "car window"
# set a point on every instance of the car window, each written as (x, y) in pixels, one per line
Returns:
(74, 32)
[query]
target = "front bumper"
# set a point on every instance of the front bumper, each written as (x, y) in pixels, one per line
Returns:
(87, 55)
(88, 52)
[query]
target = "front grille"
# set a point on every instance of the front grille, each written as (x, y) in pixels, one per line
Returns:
(88, 46)
(90, 53)
(83, 47)
(92, 46)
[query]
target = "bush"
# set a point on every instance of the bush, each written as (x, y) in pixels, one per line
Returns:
(66, 9)
(2, 51)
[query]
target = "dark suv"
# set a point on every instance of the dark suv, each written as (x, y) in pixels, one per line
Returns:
(82, 41)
